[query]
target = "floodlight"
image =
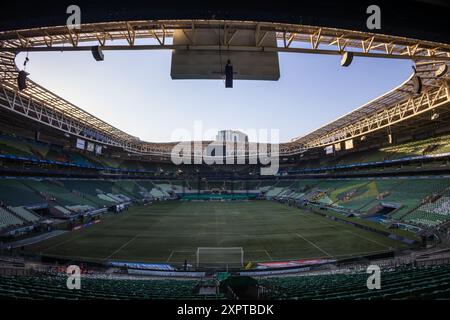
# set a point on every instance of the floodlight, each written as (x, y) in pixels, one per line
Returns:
(347, 59)
(441, 71)
(228, 75)
(417, 84)
(435, 116)
(22, 80)
(97, 53)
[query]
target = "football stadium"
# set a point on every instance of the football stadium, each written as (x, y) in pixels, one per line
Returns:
(357, 209)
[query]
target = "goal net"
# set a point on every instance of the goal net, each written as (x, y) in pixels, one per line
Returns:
(232, 257)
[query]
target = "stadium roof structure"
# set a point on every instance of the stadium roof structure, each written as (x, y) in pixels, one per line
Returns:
(396, 106)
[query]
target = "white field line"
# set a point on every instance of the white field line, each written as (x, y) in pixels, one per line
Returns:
(313, 244)
(371, 240)
(101, 226)
(121, 247)
(61, 243)
(355, 234)
(170, 256)
(270, 257)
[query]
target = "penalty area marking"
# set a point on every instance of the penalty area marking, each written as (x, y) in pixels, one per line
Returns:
(193, 253)
(178, 251)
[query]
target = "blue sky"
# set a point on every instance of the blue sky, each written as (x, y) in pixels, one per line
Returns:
(133, 91)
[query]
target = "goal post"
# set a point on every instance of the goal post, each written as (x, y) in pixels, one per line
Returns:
(220, 257)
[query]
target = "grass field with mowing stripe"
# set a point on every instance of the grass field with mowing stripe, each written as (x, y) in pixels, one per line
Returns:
(172, 231)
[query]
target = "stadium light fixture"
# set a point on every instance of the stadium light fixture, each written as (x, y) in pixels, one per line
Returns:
(22, 76)
(390, 139)
(435, 116)
(97, 53)
(228, 75)
(347, 59)
(441, 71)
(22, 80)
(417, 84)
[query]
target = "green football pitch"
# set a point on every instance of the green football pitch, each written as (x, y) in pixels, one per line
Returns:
(172, 231)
